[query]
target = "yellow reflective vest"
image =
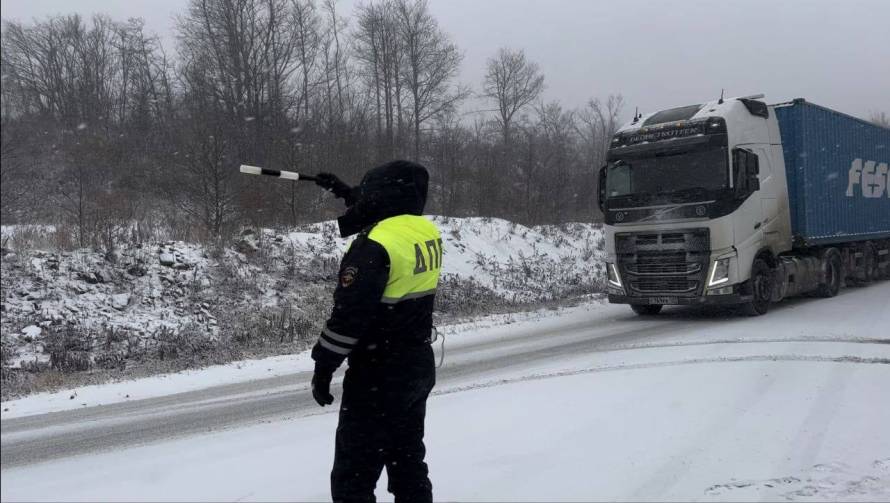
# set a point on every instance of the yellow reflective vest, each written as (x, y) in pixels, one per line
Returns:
(414, 247)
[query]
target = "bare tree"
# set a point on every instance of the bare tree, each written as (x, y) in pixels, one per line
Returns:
(381, 50)
(431, 61)
(204, 186)
(81, 183)
(369, 52)
(200, 182)
(101, 129)
(336, 58)
(92, 95)
(76, 73)
(16, 183)
(305, 19)
(450, 153)
(512, 82)
(247, 48)
(557, 129)
(598, 121)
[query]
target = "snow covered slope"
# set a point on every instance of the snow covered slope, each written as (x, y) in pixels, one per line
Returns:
(518, 262)
(142, 301)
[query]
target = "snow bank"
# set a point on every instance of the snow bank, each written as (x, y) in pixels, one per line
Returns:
(143, 300)
(155, 386)
(492, 328)
(522, 263)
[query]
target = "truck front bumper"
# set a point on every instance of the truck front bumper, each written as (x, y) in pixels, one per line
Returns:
(704, 300)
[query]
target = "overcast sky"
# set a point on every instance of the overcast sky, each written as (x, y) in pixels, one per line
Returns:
(658, 54)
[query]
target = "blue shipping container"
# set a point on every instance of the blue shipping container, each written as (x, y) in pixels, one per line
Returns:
(837, 169)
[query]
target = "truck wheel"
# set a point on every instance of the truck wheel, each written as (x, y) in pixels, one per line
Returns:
(761, 288)
(833, 271)
(646, 309)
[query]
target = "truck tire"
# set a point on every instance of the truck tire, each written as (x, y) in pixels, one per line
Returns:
(833, 273)
(761, 288)
(646, 309)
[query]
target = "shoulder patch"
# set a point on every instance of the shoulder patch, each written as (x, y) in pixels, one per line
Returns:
(347, 276)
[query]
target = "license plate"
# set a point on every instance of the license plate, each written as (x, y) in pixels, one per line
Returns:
(663, 300)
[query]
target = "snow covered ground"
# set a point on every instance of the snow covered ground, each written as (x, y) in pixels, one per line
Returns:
(457, 336)
(592, 404)
(129, 305)
(751, 434)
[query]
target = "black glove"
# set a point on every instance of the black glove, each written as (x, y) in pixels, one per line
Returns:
(321, 388)
(331, 183)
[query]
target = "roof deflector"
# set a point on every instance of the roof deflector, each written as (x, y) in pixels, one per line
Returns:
(756, 107)
(674, 114)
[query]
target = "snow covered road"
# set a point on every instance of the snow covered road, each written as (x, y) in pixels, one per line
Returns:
(593, 404)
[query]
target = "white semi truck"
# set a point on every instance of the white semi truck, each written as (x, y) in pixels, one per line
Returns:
(737, 202)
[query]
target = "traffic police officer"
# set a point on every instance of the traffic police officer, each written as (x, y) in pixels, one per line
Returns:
(382, 322)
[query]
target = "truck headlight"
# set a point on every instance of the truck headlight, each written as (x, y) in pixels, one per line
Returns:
(719, 272)
(614, 277)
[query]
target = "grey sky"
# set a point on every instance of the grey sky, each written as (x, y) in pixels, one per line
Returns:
(658, 54)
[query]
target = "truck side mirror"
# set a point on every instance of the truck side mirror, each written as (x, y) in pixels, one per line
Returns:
(601, 200)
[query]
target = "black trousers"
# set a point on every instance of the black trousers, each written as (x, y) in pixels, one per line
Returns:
(381, 425)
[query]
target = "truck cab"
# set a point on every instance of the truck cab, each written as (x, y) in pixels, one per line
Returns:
(690, 197)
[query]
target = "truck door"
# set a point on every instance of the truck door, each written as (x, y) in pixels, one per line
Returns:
(748, 222)
(772, 224)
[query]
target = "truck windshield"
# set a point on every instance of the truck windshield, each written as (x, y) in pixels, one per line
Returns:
(668, 173)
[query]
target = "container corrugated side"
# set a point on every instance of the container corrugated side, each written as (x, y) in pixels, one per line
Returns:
(837, 180)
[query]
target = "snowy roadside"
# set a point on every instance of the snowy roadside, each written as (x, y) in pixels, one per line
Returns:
(687, 407)
(82, 316)
(485, 327)
(493, 334)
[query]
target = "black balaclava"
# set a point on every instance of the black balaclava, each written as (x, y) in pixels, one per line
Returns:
(395, 188)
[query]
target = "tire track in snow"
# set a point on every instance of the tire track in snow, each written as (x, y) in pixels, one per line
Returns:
(627, 347)
(671, 363)
(835, 481)
(132, 423)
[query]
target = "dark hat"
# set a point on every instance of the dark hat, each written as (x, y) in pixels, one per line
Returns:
(395, 188)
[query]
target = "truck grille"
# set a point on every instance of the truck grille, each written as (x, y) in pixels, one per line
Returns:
(664, 285)
(664, 263)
